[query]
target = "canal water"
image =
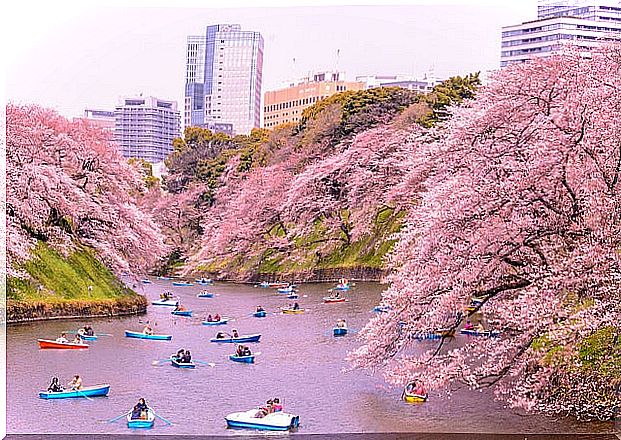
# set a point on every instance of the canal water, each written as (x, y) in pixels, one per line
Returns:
(300, 362)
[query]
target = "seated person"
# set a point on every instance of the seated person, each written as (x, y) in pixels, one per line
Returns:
(420, 390)
(77, 339)
(187, 357)
(468, 326)
(217, 318)
(479, 327)
(62, 338)
(180, 308)
(147, 330)
(296, 306)
(240, 351)
(180, 353)
(260, 309)
(235, 334)
(246, 351)
(341, 323)
(140, 410)
(76, 383)
(55, 386)
(409, 388)
(209, 318)
(277, 406)
(221, 335)
(90, 331)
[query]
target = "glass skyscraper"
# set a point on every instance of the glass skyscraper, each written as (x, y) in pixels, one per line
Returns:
(223, 79)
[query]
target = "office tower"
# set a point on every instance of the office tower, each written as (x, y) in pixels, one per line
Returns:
(146, 126)
(223, 79)
(586, 23)
(101, 118)
(287, 104)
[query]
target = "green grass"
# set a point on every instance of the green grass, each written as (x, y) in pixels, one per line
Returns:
(55, 278)
(600, 353)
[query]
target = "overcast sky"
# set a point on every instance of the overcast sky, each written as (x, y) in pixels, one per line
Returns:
(72, 55)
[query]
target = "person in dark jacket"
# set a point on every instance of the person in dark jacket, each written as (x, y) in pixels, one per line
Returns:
(55, 386)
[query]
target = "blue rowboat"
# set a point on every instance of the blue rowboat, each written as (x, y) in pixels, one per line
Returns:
(221, 322)
(277, 421)
(245, 359)
(175, 362)
(381, 309)
(264, 284)
(293, 296)
(249, 338)
(181, 283)
(285, 289)
(339, 331)
(145, 281)
(182, 312)
(260, 314)
(95, 390)
(205, 295)
(88, 337)
(140, 335)
(341, 287)
(204, 282)
(485, 333)
(165, 302)
(164, 278)
(141, 423)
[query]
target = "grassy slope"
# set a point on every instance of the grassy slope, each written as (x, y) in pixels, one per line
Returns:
(65, 279)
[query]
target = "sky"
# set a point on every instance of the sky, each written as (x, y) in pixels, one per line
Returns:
(71, 55)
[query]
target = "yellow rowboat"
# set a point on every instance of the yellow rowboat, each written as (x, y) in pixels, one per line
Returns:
(415, 398)
(292, 311)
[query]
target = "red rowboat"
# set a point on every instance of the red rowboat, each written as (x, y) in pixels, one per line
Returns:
(333, 300)
(46, 343)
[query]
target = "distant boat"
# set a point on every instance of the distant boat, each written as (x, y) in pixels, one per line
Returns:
(415, 398)
(288, 289)
(222, 321)
(87, 337)
(260, 314)
(181, 283)
(174, 360)
(278, 284)
(164, 278)
(293, 296)
(48, 343)
(484, 333)
(204, 281)
(292, 311)
(264, 284)
(330, 299)
(276, 421)
(182, 312)
(165, 302)
(342, 287)
(93, 391)
(140, 335)
(245, 338)
(141, 423)
(381, 309)
(339, 331)
(244, 359)
(205, 295)
(145, 281)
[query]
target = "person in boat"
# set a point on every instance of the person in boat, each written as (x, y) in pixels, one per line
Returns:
(479, 328)
(140, 410)
(296, 306)
(76, 383)
(209, 318)
(55, 386)
(62, 338)
(277, 407)
(468, 326)
(240, 351)
(341, 323)
(77, 339)
(180, 353)
(147, 330)
(235, 334)
(246, 351)
(217, 318)
(89, 330)
(221, 335)
(180, 308)
(260, 309)
(420, 390)
(187, 357)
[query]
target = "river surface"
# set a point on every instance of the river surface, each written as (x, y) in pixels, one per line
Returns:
(300, 362)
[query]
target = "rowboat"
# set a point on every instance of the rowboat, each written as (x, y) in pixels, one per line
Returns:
(204, 281)
(381, 309)
(165, 302)
(339, 331)
(164, 278)
(278, 284)
(181, 283)
(292, 311)
(329, 299)
(245, 359)
(205, 295)
(342, 287)
(415, 398)
(221, 322)
(182, 312)
(277, 421)
(260, 314)
(145, 281)
(446, 332)
(95, 390)
(485, 333)
(140, 335)
(175, 362)
(48, 343)
(87, 337)
(141, 423)
(245, 338)
(293, 296)
(288, 289)
(264, 284)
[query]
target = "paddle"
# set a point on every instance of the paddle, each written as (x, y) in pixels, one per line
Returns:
(211, 364)
(160, 360)
(83, 395)
(161, 418)
(117, 418)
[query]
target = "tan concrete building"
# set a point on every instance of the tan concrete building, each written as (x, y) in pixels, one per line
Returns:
(286, 105)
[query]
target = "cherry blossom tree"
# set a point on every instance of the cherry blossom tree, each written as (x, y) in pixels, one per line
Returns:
(519, 206)
(66, 183)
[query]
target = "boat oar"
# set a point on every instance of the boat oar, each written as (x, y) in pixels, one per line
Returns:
(211, 364)
(118, 417)
(84, 395)
(161, 418)
(159, 360)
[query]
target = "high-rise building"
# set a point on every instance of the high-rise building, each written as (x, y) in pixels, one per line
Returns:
(146, 126)
(287, 104)
(101, 118)
(586, 23)
(223, 79)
